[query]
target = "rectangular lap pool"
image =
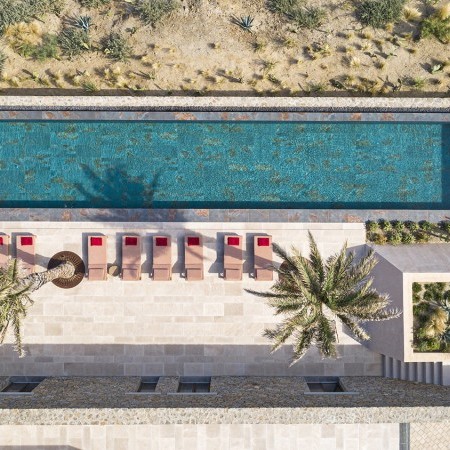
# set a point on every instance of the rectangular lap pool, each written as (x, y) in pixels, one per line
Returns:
(188, 164)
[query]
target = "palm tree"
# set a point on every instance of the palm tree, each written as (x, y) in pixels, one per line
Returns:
(311, 293)
(15, 289)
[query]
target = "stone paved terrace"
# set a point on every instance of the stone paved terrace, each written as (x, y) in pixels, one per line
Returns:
(211, 327)
(282, 400)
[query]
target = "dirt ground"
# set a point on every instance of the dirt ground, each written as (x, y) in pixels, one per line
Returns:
(197, 50)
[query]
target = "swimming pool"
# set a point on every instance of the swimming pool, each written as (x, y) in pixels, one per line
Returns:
(191, 164)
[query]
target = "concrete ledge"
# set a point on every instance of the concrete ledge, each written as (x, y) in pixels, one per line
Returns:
(131, 103)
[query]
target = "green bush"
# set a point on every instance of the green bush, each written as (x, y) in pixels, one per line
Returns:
(385, 225)
(303, 16)
(378, 13)
(421, 237)
(397, 225)
(47, 49)
(74, 42)
(417, 288)
(15, 11)
(94, 3)
(284, 6)
(411, 226)
(378, 238)
(117, 47)
(428, 345)
(407, 237)
(371, 226)
(437, 27)
(394, 237)
(310, 18)
(444, 225)
(152, 11)
(425, 225)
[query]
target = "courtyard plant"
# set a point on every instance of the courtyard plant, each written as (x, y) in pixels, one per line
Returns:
(16, 288)
(311, 293)
(431, 309)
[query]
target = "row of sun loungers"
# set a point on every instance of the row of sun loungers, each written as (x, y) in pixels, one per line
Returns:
(193, 251)
(162, 257)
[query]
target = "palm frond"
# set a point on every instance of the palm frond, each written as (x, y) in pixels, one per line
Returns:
(358, 331)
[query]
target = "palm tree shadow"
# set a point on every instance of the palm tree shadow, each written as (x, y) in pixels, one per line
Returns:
(116, 188)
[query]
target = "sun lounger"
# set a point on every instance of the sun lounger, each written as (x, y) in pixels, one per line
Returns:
(25, 250)
(131, 258)
(4, 250)
(193, 257)
(97, 262)
(232, 258)
(263, 258)
(162, 258)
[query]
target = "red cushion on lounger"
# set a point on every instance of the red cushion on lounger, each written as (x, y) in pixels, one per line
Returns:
(96, 241)
(263, 242)
(130, 240)
(193, 240)
(161, 242)
(1, 240)
(233, 241)
(27, 240)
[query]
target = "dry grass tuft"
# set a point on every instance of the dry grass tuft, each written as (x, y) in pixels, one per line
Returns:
(411, 14)
(444, 11)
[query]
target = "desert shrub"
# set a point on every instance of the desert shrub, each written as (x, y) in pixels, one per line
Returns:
(411, 226)
(445, 226)
(284, 6)
(384, 224)
(437, 27)
(47, 49)
(116, 47)
(378, 13)
(310, 18)
(425, 225)
(407, 237)
(421, 237)
(397, 225)
(152, 11)
(73, 42)
(371, 226)
(394, 237)
(94, 3)
(24, 10)
(378, 238)
(303, 16)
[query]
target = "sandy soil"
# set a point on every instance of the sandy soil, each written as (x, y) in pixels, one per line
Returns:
(197, 50)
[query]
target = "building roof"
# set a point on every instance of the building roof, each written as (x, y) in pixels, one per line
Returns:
(417, 258)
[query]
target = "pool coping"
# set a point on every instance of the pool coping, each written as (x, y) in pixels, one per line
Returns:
(217, 215)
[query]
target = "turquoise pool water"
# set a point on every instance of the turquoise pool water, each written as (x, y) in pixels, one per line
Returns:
(189, 164)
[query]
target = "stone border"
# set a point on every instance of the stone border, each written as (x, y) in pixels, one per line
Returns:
(225, 103)
(195, 415)
(217, 215)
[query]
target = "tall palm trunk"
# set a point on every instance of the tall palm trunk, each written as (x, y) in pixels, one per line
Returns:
(36, 280)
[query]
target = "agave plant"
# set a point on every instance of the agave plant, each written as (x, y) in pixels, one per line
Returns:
(83, 22)
(15, 290)
(311, 293)
(245, 22)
